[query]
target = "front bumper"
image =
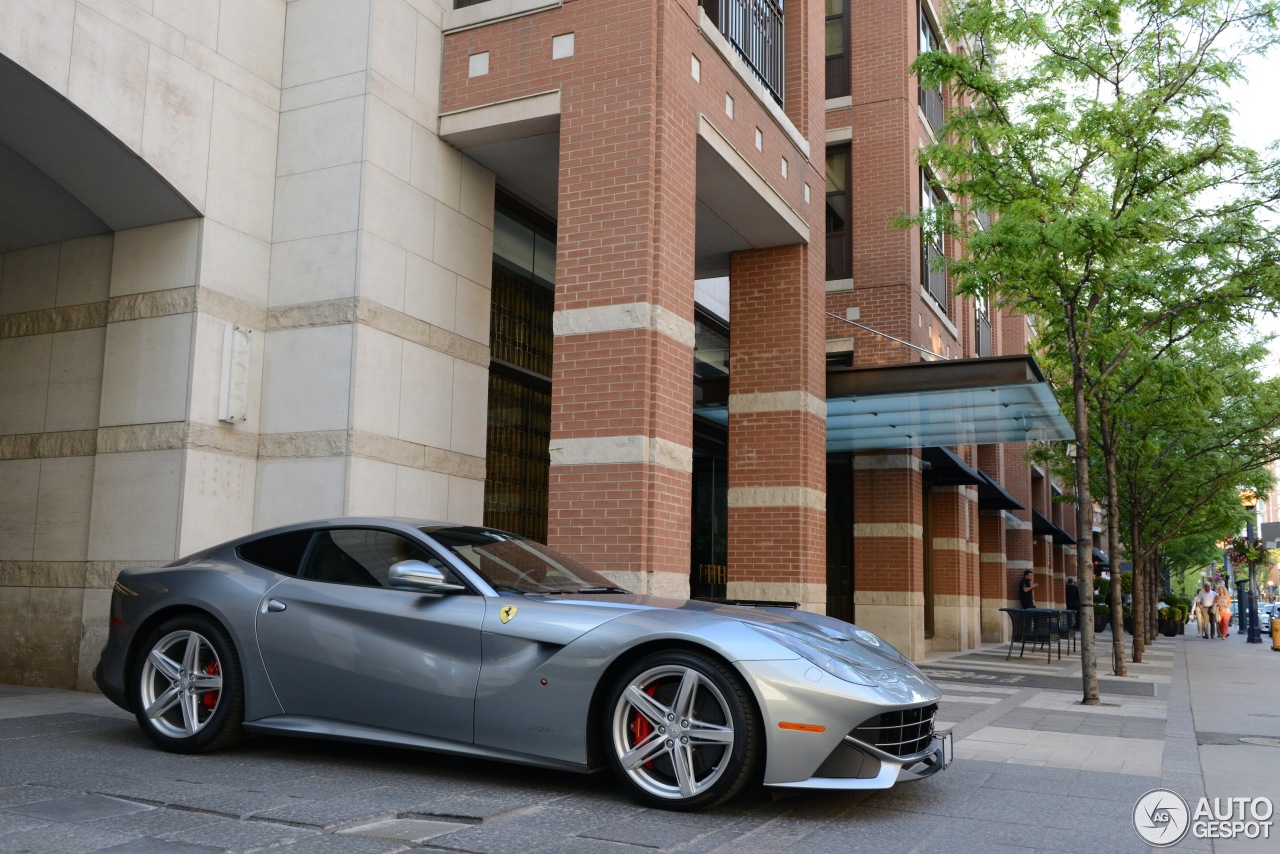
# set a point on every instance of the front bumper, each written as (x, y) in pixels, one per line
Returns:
(892, 769)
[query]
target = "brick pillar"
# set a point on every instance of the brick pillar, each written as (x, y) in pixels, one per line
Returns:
(994, 593)
(622, 372)
(777, 427)
(951, 537)
(1017, 481)
(888, 549)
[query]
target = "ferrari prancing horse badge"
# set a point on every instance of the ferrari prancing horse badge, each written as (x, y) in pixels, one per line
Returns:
(507, 613)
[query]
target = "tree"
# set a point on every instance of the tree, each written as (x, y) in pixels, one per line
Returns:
(1097, 135)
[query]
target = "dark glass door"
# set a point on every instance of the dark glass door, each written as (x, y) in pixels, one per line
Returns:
(840, 536)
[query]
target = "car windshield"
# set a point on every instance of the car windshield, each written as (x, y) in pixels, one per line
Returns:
(514, 564)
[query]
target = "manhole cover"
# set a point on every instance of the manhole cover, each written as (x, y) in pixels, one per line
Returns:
(1263, 740)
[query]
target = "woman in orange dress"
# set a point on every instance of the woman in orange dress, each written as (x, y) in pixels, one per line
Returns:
(1223, 604)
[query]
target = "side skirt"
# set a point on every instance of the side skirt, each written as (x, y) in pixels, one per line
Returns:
(296, 725)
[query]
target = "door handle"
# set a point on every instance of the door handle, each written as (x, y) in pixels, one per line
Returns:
(275, 605)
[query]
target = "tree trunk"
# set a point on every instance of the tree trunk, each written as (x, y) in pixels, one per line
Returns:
(1118, 665)
(1084, 537)
(1139, 557)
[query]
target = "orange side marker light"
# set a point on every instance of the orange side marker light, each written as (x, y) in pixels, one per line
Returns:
(801, 727)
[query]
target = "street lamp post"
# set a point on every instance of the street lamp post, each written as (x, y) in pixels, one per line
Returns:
(1250, 501)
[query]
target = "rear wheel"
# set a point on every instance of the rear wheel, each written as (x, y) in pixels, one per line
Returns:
(682, 731)
(188, 692)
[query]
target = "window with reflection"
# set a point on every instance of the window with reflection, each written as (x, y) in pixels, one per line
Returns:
(517, 464)
(837, 48)
(839, 236)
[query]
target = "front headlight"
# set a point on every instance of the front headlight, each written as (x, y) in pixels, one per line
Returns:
(821, 653)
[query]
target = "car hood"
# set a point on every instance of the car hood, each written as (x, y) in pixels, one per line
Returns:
(860, 646)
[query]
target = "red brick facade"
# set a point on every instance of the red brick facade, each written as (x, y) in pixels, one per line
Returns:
(646, 83)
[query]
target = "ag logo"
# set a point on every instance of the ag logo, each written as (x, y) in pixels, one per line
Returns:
(1161, 818)
(507, 612)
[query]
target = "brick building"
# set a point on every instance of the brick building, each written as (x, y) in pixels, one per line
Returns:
(553, 265)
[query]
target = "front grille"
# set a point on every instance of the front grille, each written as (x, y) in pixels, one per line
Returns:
(902, 733)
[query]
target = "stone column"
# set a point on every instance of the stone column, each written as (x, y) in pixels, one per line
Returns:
(888, 549)
(777, 427)
(622, 375)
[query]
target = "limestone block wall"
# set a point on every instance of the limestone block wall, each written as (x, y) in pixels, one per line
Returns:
(351, 244)
(376, 352)
(53, 302)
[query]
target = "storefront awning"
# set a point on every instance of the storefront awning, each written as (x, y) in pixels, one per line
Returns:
(1100, 559)
(1042, 527)
(947, 469)
(929, 405)
(993, 496)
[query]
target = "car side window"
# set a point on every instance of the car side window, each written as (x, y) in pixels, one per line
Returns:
(281, 553)
(363, 556)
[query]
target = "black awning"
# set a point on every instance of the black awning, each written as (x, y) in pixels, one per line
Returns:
(1042, 527)
(993, 496)
(947, 469)
(1100, 559)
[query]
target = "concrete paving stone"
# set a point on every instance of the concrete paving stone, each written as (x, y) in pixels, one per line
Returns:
(523, 832)
(581, 845)
(1101, 785)
(76, 808)
(1011, 829)
(474, 806)
(45, 725)
(993, 804)
(1037, 779)
(327, 813)
(404, 830)
(323, 843)
(61, 838)
(1096, 837)
(14, 823)
(155, 822)
(648, 832)
(231, 803)
(17, 795)
(241, 836)
(150, 845)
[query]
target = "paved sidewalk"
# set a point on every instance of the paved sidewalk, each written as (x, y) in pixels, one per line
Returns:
(1033, 771)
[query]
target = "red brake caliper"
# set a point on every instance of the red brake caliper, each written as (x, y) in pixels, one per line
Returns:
(211, 699)
(640, 726)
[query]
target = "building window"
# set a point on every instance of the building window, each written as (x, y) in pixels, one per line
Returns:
(930, 99)
(837, 48)
(983, 345)
(518, 461)
(839, 239)
(933, 210)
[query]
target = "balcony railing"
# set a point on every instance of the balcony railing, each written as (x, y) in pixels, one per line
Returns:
(984, 347)
(755, 29)
(931, 103)
(934, 274)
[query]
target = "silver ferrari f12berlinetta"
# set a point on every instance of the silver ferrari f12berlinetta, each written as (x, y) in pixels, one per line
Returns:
(476, 642)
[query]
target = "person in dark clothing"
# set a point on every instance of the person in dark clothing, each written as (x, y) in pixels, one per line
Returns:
(1024, 590)
(1073, 600)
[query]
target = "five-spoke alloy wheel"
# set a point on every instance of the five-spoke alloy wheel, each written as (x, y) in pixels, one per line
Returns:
(682, 731)
(188, 695)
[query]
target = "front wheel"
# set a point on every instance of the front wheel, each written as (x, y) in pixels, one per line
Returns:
(188, 695)
(682, 731)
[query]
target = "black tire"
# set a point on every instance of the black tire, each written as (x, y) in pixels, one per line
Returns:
(196, 701)
(676, 761)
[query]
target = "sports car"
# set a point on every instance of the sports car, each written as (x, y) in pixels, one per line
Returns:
(476, 642)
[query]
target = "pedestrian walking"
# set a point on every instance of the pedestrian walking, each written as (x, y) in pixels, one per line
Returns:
(1202, 605)
(1222, 601)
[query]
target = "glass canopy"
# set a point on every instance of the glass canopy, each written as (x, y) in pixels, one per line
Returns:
(935, 404)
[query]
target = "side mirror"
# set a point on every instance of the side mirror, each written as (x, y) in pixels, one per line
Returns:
(420, 576)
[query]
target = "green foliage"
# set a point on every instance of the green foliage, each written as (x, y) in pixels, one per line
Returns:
(1102, 588)
(1102, 610)
(1126, 583)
